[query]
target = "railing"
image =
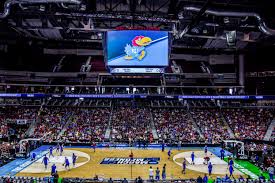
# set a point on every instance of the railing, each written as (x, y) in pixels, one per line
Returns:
(100, 179)
(96, 74)
(107, 134)
(106, 95)
(20, 121)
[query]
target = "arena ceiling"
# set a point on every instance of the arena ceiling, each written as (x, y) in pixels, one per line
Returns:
(195, 24)
(57, 36)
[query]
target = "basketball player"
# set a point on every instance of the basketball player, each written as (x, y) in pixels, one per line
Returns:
(222, 154)
(93, 146)
(206, 160)
(157, 174)
(210, 166)
(53, 171)
(57, 147)
(151, 174)
(193, 158)
(231, 162)
(61, 149)
(67, 163)
(184, 166)
(231, 170)
(51, 152)
(45, 160)
(163, 173)
(162, 147)
(169, 153)
(33, 156)
(205, 149)
(74, 159)
(131, 156)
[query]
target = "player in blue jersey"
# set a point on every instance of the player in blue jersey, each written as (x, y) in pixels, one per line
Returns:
(33, 156)
(205, 149)
(74, 157)
(45, 161)
(51, 152)
(67, 163)
(193, 158)
(53, 171)
(169, 153)
(231, 162)
(231, 170)
(162, 147)
(210, 167)
(222, 153)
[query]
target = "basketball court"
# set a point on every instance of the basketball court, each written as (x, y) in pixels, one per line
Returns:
(115, 163)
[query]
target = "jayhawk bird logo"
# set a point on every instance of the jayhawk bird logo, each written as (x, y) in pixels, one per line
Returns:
(137, 50)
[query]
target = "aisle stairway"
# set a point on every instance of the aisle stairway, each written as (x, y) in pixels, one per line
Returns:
(33, 125)
(269, 130)
(195, 125)
(68, 119)
(152, 124)
(232, 136)
(108, 130)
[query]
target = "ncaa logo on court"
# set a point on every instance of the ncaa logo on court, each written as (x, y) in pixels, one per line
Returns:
(136, 161)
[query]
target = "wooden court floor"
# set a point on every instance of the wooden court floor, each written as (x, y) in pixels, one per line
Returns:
(93, 167)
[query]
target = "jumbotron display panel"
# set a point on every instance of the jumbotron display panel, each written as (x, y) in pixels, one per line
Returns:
(137, 48)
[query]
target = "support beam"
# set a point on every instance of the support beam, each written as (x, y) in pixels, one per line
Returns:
(241, 73)
(241, 70)
(195, 20)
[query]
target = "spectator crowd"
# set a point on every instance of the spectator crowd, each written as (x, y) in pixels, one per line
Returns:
(175, 125)
(211, 125)
(87, 125)
(15, 121)
(124, 124)
(131, 124)
(50, 123)
(249, 123)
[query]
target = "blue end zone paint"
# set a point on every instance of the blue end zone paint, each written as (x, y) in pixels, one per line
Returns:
(19, 164)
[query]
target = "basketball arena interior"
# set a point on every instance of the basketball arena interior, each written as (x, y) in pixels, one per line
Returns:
(137, 91)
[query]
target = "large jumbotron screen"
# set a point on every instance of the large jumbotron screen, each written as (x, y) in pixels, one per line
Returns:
(137, 48)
